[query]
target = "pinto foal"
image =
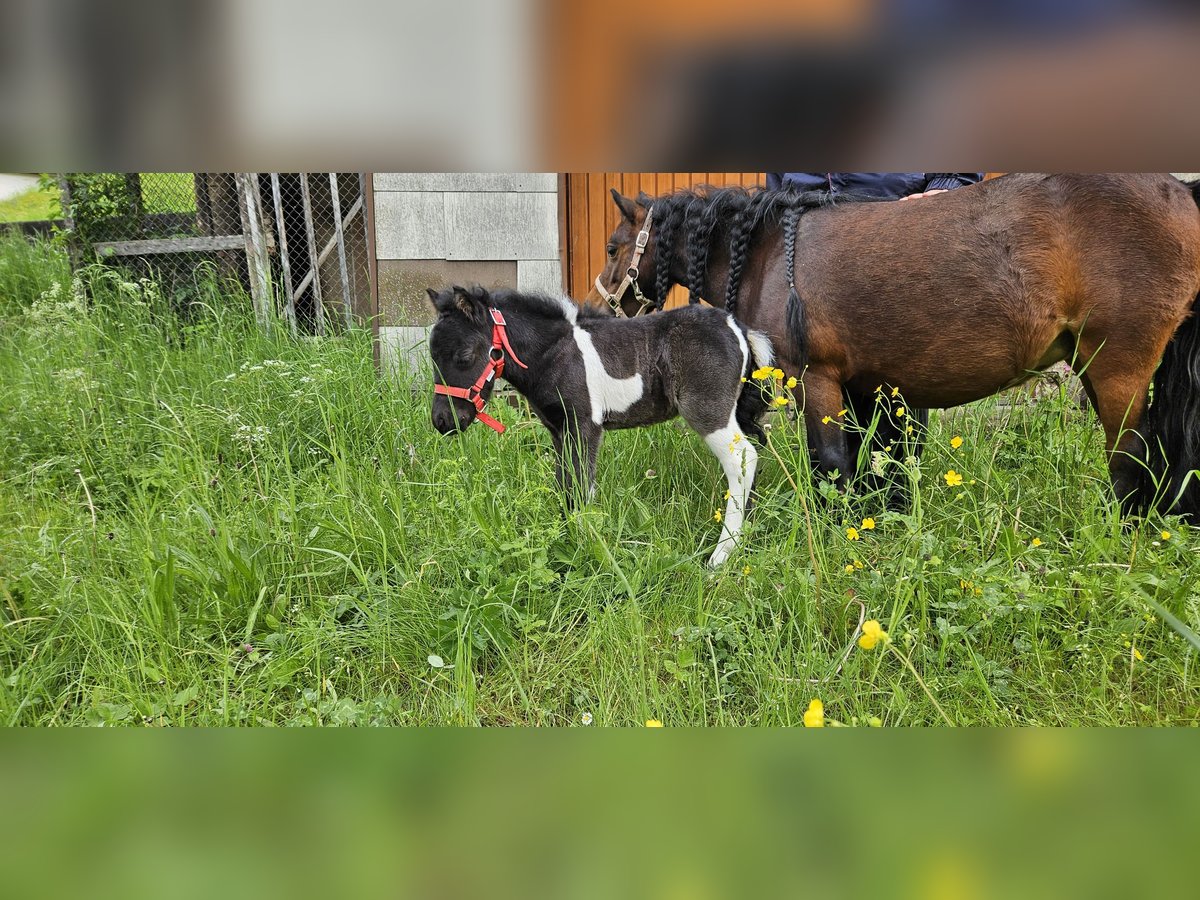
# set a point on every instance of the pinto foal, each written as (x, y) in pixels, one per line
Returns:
(585, 372)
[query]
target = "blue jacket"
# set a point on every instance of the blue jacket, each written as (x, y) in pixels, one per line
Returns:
(881, 185)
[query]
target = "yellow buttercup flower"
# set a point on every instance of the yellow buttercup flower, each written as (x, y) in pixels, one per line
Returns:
(852, 533)
(849, 569)
(953, 478)
(895, 391)
(956, 442)
(761, 374)
(842, 412)
(868, 523)
(791, 383)
(1137, 654)
(727, 495)
(908, 430)
(781, 401)
(746, 570)
(777, 374)
(872, 634)
(717, 515)
(814, 716)
(653, 723)
(826, 420)
(1166, 535)
(1036, 542)
(900, 412)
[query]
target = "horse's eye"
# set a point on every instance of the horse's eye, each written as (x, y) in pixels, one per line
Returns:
(612, 250)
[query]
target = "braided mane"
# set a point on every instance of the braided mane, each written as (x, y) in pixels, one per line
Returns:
(739, 214)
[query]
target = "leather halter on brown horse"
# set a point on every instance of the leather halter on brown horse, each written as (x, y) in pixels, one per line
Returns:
(631, 275)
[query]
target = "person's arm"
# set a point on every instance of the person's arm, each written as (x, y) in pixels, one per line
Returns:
(774, 181)
(948, 181)
(940, 182)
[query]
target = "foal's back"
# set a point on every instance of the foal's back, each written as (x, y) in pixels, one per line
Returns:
(691, 361)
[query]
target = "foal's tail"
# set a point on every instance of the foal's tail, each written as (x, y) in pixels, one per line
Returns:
(1171, 425)
(751, 402)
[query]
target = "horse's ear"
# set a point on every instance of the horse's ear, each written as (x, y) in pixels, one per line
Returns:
(645, 199)
(627, 207)
(466, 301)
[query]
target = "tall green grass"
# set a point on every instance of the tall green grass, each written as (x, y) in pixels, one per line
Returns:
(204, 524)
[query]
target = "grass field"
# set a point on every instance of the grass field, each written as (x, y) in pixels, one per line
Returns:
(33, 205)
(201, 524)
(163, 192)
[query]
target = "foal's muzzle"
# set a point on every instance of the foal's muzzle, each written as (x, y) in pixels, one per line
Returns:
(450, 417)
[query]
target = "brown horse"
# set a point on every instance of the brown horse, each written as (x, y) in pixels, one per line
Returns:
(954, 298)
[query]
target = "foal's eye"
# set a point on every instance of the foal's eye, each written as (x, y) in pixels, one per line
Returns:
(612, 250)
(464, 357)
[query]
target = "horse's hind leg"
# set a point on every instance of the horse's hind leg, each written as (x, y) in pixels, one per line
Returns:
(739, 460)
(1117, 386)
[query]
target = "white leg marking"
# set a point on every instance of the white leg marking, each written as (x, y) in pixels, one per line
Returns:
(607, 394)
(739, 459)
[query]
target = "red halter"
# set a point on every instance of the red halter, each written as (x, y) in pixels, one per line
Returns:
(494, 367)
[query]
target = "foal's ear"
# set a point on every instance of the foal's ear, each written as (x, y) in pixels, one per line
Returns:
(467, 302)
(627, 207)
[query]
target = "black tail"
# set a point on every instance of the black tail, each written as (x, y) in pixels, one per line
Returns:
(1171, 425)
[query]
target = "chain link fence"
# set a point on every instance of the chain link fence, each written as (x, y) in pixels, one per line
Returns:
(296, 243)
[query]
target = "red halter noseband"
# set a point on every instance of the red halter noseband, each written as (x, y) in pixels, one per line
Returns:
(494, 367)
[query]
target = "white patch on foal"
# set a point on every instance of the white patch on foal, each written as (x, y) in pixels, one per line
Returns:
(741, 339)
(739, 459)
(607, 394)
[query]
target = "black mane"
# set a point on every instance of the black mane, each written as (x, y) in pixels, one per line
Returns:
(536, 303)
(706, 211)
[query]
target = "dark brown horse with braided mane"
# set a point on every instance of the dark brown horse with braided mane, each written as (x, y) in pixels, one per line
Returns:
(952, 299)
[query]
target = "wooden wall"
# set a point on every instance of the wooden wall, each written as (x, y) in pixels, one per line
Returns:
(588, 214)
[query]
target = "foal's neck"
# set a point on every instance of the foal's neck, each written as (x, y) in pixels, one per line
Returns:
(534, 340)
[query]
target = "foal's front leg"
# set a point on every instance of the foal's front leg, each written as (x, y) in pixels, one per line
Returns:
(576, 446)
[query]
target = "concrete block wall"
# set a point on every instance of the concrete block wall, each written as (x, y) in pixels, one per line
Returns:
(433, 229)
